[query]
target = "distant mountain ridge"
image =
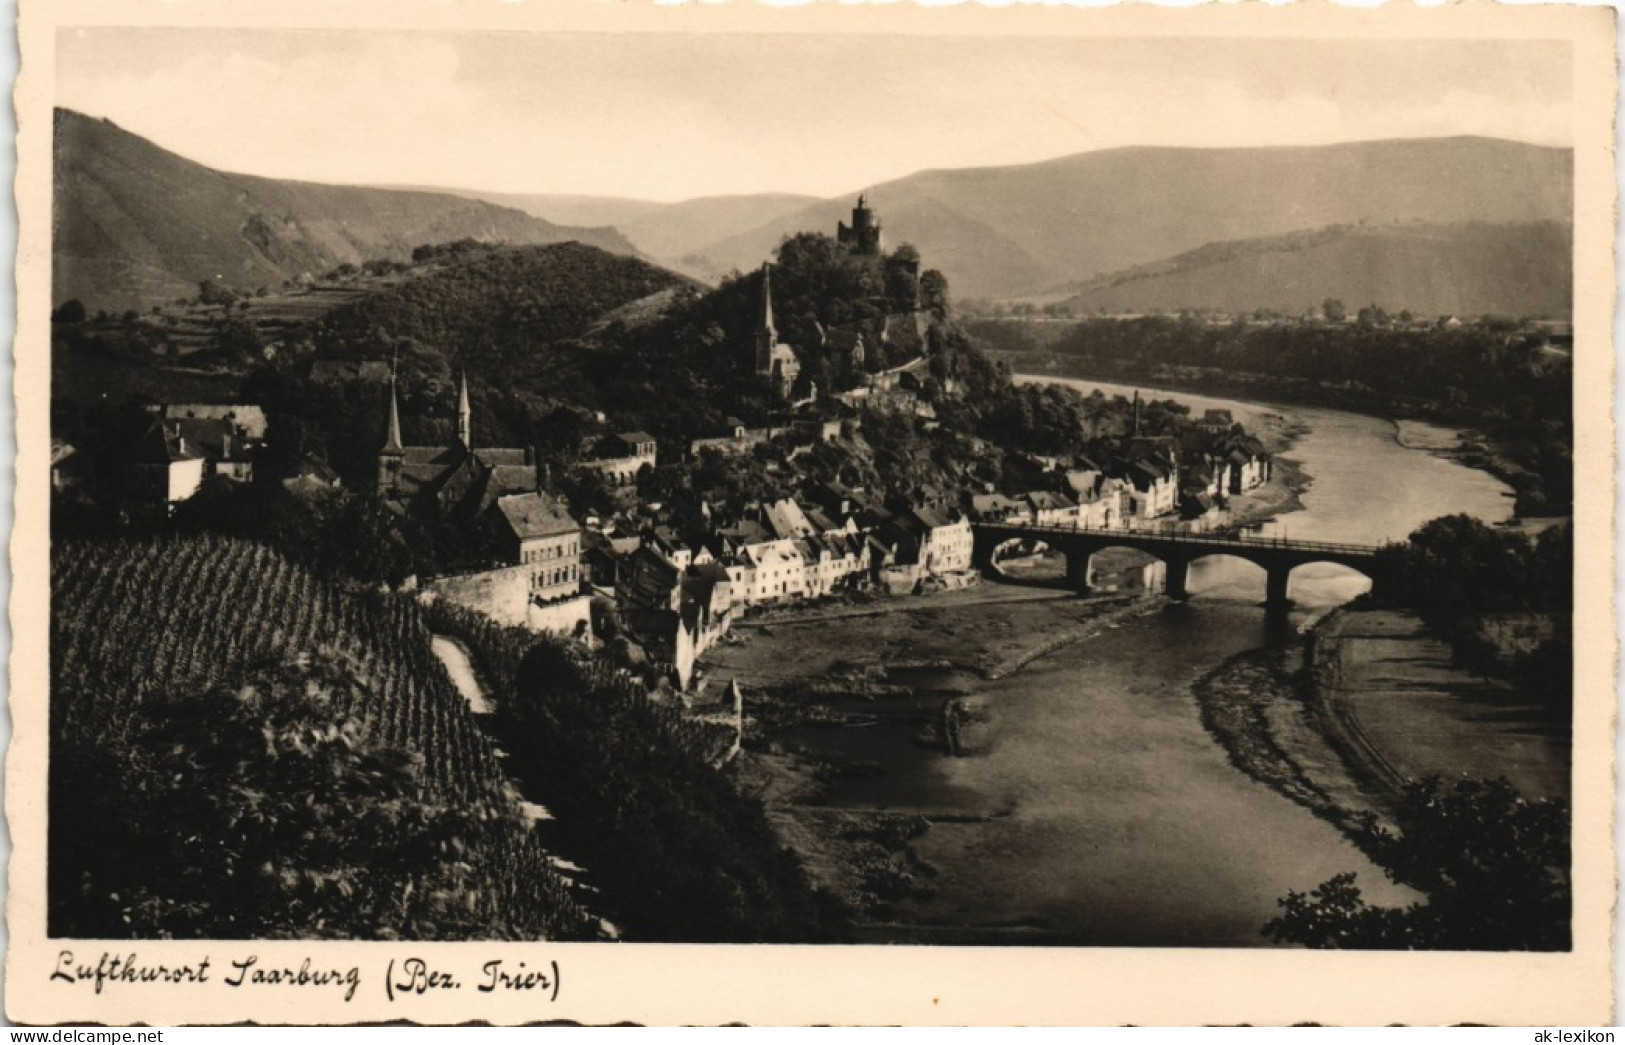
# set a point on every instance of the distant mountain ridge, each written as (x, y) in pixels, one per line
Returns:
(668, 232)
(1007, 231)
(135, 224)
(1466, 268)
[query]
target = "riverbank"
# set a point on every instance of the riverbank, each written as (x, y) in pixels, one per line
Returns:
(1278, 496)
(1471, 447)
(859, 689)
(987, 630)
(1411, 712)
(1368, 703)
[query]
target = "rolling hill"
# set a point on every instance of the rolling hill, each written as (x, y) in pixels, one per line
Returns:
(559, 208)
(135, 224)
(667, 232)
(1005, 231)
(1430, 269)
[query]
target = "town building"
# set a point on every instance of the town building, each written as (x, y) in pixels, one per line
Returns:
(1154, 489)
(997, 508)
(228, 436)
(778, 572)
(311, 475)
(944, 540)
(163, 470)
(1250, 465)
(1048, 508)
(1216, 422)
(739, 439)
(540, 535)
(622, 456)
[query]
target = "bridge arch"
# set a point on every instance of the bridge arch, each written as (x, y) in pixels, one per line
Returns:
(1349, 581)
(1002, 559)
(1020, 545)
(1198, 569)
(1118, 567)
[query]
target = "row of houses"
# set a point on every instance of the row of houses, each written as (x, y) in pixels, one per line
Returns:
(740, 439)
(1152, 478)
(185, 445)
(679, 595)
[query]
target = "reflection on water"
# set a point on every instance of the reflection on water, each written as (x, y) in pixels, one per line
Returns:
(1120, 820)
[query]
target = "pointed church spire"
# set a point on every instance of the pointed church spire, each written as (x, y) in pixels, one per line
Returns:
(392, 443)
(767, 301)
(465, 416)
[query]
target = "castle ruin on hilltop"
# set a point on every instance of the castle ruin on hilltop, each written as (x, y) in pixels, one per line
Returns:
(863, 236)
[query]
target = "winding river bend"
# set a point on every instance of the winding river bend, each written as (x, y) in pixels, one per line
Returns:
(1115, 818)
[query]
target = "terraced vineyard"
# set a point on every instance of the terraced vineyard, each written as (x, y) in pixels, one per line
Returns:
(135, 622)
(130, 619)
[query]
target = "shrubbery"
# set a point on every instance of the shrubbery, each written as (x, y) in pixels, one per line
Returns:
(680, 854)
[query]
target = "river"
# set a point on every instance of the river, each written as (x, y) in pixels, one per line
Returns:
(1117, 820)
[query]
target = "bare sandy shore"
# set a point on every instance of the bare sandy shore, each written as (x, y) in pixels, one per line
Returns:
(1381, 705)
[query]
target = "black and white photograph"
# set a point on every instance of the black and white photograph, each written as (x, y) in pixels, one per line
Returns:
(1043, 496)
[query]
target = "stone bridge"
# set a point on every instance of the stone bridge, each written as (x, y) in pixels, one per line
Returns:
(1178, 550)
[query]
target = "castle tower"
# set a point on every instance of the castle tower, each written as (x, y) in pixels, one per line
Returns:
(392, 453)
(766, 336)
(863, 236)
(465, 416)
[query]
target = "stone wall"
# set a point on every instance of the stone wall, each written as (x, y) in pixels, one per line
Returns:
(502, 594)
(569, 617)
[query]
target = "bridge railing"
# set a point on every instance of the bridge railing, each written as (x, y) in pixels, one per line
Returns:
(1185, 537)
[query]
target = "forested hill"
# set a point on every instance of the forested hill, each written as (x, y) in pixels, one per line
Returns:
(1464, 269)
(491, 307)
(136, 225)
(518, 320)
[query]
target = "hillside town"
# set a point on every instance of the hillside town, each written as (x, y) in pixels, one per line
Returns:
(674, 584)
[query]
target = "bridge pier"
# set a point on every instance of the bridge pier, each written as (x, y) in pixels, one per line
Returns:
(1077, 572)
(1275, 586)
(1176, 572)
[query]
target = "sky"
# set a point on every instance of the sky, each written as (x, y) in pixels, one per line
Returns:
(668, 117)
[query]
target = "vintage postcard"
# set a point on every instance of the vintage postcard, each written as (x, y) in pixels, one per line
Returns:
(834, 514)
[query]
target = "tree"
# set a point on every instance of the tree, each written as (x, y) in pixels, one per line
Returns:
(214, 292)
(1493, 868)
(1333, 310)
(71, 311)
(934, 291)
(903, 278)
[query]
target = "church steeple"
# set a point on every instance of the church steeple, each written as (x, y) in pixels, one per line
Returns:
(767, 302)
(392, 442)
(465, 416)
(766, 336)
(392, 453)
